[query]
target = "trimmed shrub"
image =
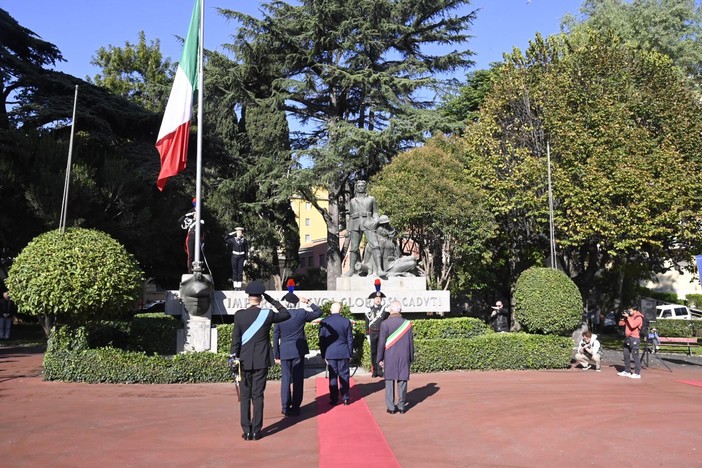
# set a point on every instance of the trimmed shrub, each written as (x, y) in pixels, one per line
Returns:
(547, 302)
(493, 351)
(694, 301)
(78, 275)
(458, 327)
(67, 338)
(108, 333)
(676, 328)
(154, 333)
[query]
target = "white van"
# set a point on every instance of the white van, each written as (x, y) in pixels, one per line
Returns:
(673, 311)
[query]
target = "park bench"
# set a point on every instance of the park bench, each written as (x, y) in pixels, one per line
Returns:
(679, 341)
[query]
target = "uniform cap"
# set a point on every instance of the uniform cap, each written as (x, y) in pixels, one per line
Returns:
(239, 228)
(376, 294)
(291, 298)
(255, 288)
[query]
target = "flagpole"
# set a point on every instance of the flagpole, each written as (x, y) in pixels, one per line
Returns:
(67, 179)
(198, 177)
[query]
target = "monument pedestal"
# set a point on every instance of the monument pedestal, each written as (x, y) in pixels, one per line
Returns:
(393, 283)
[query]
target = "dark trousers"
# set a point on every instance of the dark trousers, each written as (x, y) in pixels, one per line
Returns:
(238, 267)
(631, 347)
(338, 377)
(293, 371)
(376, 370)
(253, 384)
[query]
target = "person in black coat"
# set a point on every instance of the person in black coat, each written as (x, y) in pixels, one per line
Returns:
(251, 344)
(499, 318)
(374, 317)
(289, 349)
(7, 311)
(336, 346)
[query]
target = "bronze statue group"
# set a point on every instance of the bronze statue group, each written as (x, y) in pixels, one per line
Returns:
(392, 348)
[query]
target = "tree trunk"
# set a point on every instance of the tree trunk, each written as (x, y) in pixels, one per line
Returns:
(334, 255)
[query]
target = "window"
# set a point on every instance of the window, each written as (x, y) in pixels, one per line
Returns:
(310, 262)
(308, 205)
(307, 221)
(308, 238)
(321, 261)
(302, 262)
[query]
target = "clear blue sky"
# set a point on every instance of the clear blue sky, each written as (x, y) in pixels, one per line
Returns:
(80, 27)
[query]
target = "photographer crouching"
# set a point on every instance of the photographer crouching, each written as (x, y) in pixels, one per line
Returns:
(588, 352)
(631, 320)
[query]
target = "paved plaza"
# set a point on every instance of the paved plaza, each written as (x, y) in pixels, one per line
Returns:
(514, 418)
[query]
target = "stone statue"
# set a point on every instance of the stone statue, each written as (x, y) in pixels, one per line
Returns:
(393, 263)
(363, 220)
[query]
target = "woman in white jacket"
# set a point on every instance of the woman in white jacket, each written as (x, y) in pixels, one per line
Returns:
(589, 352)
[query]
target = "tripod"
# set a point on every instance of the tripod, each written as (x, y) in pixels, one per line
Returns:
(646, 352)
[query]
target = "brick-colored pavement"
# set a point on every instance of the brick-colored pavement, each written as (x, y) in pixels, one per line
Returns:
(519, 418)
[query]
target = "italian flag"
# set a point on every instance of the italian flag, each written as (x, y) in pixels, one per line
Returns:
(172, 142)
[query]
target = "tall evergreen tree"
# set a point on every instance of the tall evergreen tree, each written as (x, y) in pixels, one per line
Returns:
(358, 77)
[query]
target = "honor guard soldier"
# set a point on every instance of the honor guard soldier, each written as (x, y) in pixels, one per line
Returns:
(240, 251)
(252, 346)
(374, 317)
(289, 349)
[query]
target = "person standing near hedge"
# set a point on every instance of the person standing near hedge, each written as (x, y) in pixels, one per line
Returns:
(631, 320)
(374, 317)
(251, 344)
(499, 318)
(336, 346)
(289, 349)
(7, 311)
(395, 354)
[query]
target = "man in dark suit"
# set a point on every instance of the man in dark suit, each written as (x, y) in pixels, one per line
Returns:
(336, 346)
(289, 349)
(251, 344)
(395, 354)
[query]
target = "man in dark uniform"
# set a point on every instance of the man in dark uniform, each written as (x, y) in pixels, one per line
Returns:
(374, 317)
(240, 252)
(289, 349)
(251, 344)
(336, 346)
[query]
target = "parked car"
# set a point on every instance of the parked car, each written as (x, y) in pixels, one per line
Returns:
(153, 306)
(673, 311)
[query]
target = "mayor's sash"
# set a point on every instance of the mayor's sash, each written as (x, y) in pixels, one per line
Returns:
(397, 334)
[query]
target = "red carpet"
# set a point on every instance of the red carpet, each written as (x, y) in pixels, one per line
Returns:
(349, 435)
(696, 383)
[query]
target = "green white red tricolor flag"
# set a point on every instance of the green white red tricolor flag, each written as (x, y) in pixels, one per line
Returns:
(172, 141)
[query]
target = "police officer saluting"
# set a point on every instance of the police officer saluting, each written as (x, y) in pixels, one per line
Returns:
(252, 346)
(374, 317)
(289, 348)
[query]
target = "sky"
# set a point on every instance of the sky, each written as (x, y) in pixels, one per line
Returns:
(80, 27)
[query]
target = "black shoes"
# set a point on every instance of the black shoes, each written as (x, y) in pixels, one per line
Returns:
(347, 402)
(391, 411)
(332, 402)
(247, 436)
(256, 436)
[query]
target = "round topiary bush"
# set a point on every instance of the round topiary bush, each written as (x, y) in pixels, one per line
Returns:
(547, 302)
(76, 276)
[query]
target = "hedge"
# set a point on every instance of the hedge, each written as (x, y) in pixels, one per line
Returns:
(494, 351)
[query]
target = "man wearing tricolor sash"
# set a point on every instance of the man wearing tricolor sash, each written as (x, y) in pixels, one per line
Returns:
(251, 344)
(395, 354)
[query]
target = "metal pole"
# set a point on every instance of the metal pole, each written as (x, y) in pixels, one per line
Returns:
(67, 179)
(198, 180)
(552, 236)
